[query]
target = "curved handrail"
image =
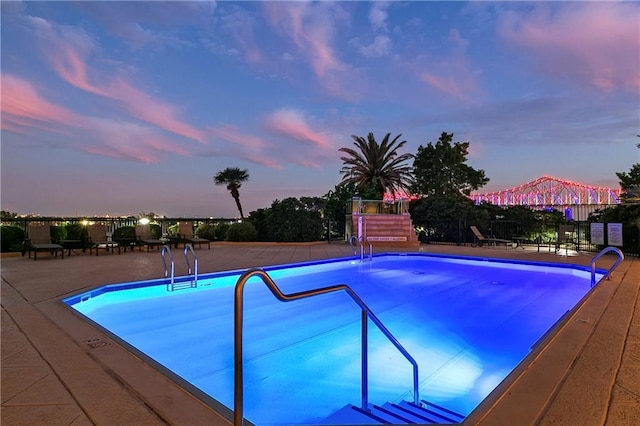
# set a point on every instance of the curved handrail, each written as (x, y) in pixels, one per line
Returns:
(353, 241)
(360, 241)
(238, 417)
(166, 249)
(607, 275)
(188, 248)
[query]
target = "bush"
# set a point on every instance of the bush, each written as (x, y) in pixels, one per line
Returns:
(76, 231)
(156, 231)
(124, 233)
(58, 233)
(242, 231)
(11, 237)
(221, 230)
(172, 231)
(206, 231)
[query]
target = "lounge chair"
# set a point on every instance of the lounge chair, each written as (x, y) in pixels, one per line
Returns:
(97, 234)
(39, 239)
(144, 237)
(185, 234)
(481, 239)
(565, 238)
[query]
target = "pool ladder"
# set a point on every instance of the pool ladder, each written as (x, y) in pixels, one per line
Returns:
(607, 275)
(360, 241)
(172, 285)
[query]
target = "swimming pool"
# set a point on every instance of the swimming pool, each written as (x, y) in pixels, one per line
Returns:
(467, 321)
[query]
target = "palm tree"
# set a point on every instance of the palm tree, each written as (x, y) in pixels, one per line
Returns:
(233, 178)
(376, 164)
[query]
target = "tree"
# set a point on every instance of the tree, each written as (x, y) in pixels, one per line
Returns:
(378, 164)
(630, 184)
(440, 169)
(233, 177)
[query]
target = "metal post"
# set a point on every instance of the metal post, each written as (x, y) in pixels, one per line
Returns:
(365, 361)
(238, 413)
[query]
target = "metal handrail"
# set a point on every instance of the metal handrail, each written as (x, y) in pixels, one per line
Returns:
(238, 417)
(353, 241)
(360, 241)
(167, 249)
(188, 248)
(370, 251)
(607, 275)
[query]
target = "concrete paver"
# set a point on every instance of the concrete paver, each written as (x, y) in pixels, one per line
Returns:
(587, 372)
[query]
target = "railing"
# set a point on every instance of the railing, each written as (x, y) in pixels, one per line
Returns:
(189, 249)
(166, 250)
(359, 206)
(238, 414)
(607, 275)
(355, 240)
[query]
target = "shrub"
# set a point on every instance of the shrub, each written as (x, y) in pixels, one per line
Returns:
(241, 231)
(172, 231)
(220, 231)
(124, 233)
(58, 233)
(11, 237)
(156, 230)
(206, 231)
(76, 231)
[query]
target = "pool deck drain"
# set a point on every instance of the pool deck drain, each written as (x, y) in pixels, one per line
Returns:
(57, 369)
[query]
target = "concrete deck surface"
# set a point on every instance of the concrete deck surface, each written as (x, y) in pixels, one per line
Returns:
(59, 370)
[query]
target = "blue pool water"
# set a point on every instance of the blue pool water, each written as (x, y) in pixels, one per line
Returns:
(468, 323)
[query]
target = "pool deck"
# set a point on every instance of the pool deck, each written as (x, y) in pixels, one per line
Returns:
(59, 370)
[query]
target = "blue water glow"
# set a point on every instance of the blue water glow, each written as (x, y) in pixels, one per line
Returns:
(468, 322)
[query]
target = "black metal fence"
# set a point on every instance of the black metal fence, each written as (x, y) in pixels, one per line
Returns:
(459, 233)
(456, 232)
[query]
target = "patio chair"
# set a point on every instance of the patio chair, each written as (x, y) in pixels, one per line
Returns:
(144, 237)
(481, 239)
(97, 234)
(185, 234)
(39, 239)
(565, 238)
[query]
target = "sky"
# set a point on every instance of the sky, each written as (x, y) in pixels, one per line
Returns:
(122, 108)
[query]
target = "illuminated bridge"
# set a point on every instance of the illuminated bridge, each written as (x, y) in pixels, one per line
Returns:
(575, 199)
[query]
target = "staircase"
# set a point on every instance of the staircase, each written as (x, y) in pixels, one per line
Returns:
(392, 413)
(386, 229)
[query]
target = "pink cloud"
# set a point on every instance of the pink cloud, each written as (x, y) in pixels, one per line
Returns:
(22, 107)
(596, 43)
(447, 85)
(160, 114)
(235, 135)
(310, 27)
(453, 76)
(291, 123)
(69, 60)
(252, 147)
(129, 141)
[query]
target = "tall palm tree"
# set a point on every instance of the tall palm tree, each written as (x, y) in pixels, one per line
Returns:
(233, 178)
(376, 164)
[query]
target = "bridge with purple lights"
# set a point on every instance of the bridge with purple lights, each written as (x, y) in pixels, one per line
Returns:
(576, 199)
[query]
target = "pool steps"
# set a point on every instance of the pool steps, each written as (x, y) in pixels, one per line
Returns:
(391, 413)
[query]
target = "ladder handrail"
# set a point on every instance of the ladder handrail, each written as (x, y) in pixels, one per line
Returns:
(360, 241)
(167, 249)
(238, 416)
(607, 275)
(188, 248)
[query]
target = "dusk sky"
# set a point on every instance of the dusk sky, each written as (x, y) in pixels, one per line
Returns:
(127, 107)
